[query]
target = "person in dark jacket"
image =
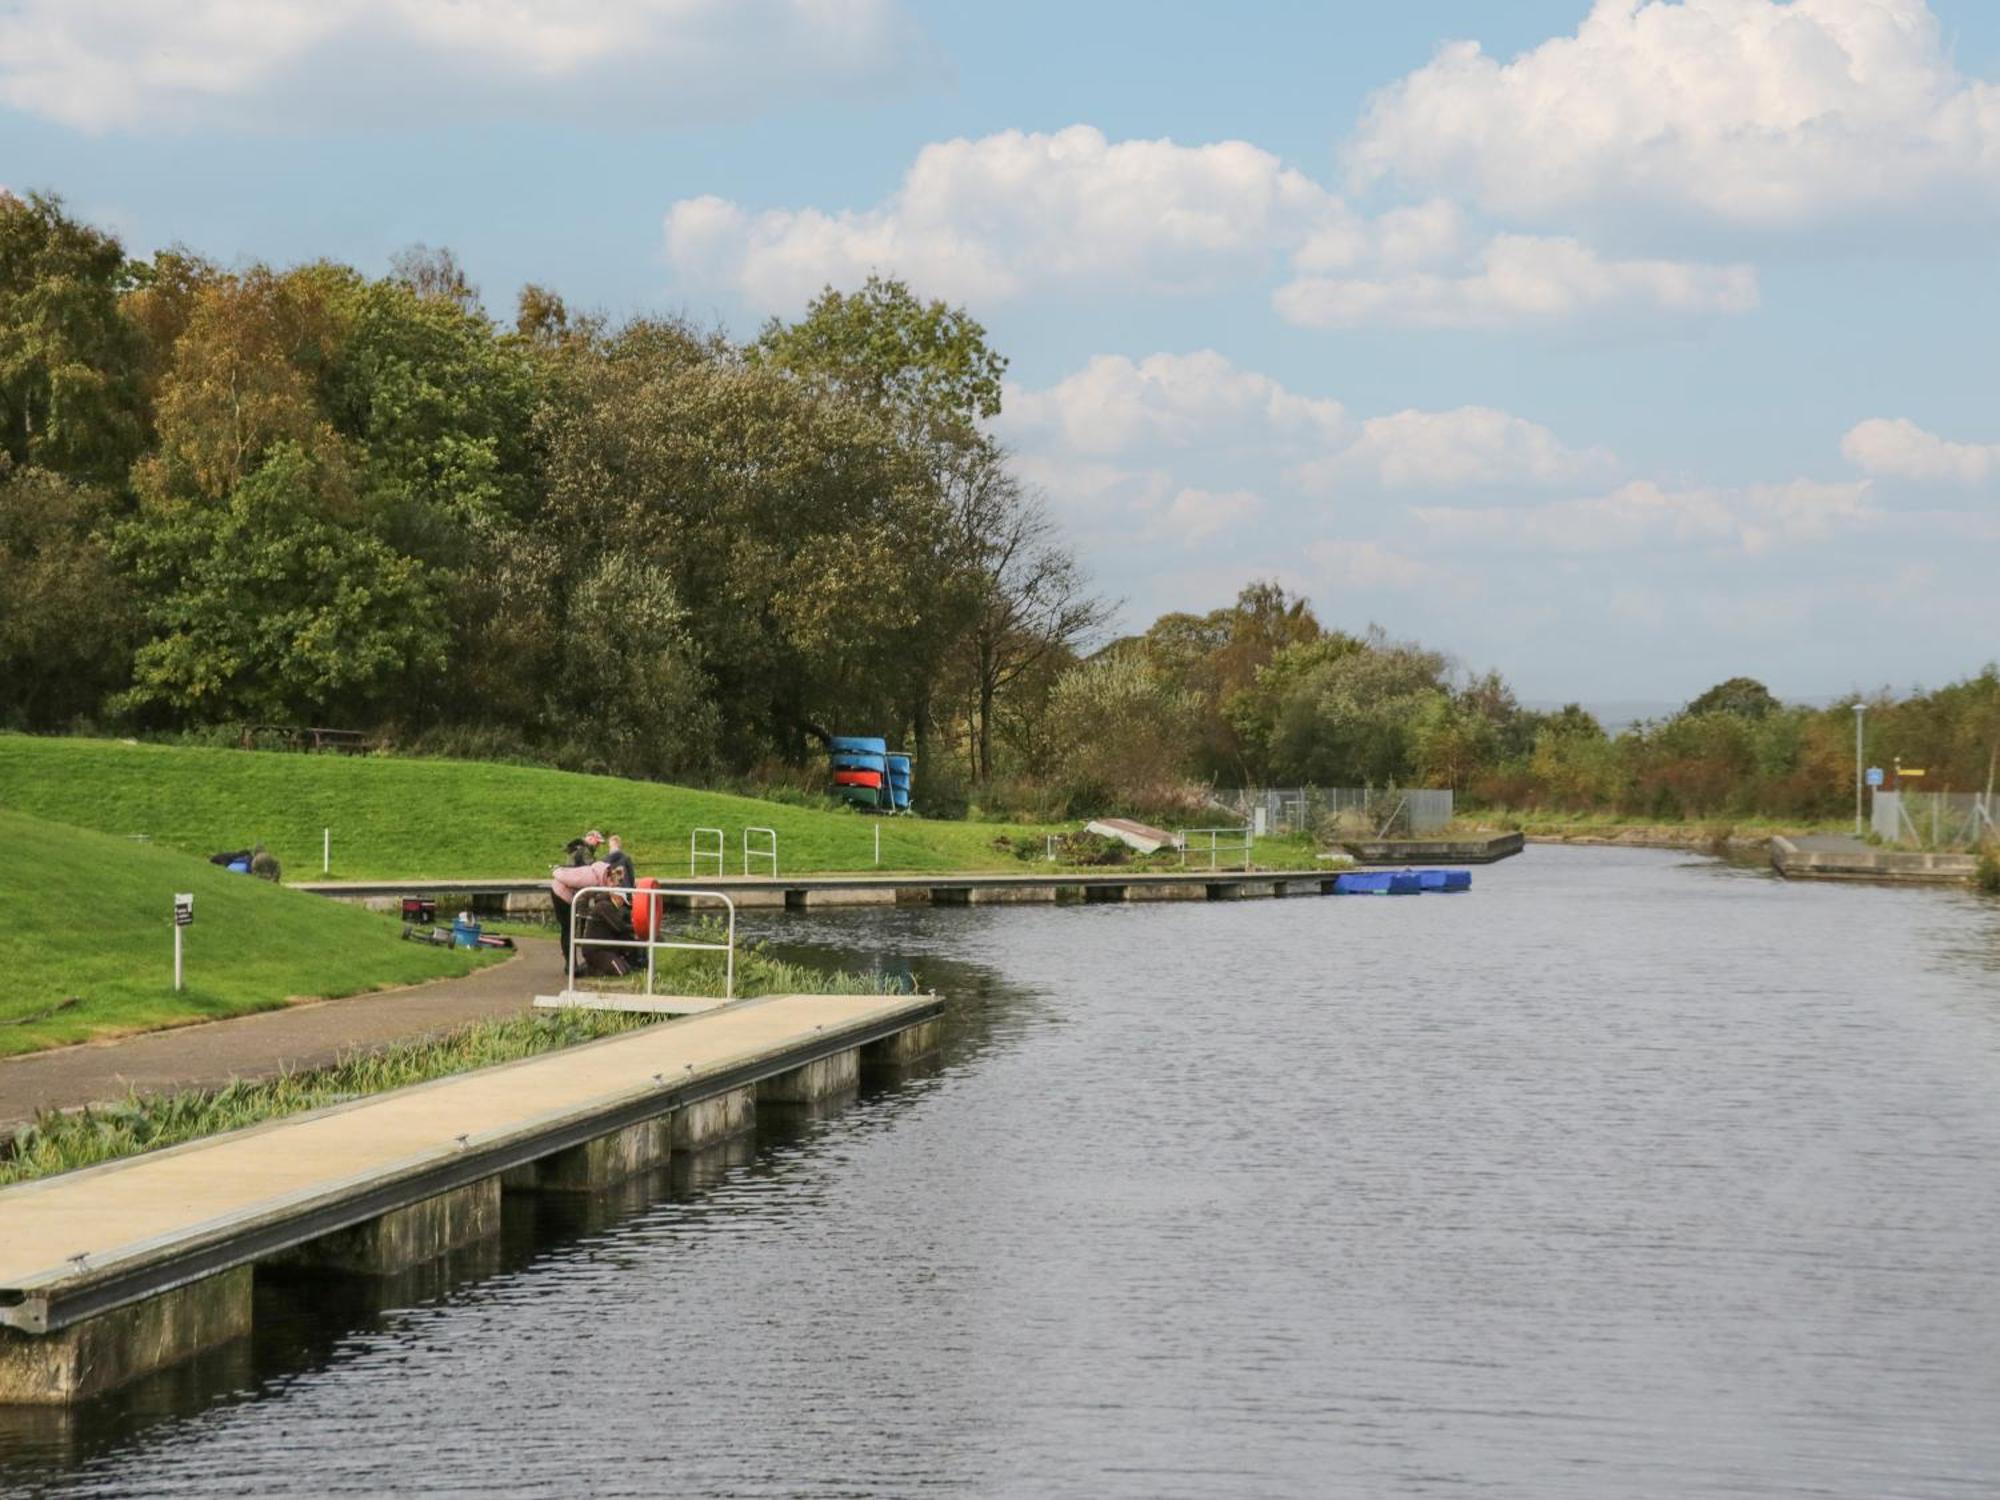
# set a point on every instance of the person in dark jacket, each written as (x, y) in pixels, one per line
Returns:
(606, 916)
(618, 859)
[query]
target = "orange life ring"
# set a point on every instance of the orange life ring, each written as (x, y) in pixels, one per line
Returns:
(642, 909)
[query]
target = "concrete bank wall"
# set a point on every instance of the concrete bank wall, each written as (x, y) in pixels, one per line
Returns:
(1904, 866)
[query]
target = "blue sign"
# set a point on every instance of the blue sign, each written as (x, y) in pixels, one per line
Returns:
(1874, 775)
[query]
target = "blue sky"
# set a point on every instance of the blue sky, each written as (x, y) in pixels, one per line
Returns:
(1621, 347)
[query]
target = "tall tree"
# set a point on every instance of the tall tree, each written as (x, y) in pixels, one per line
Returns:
(69, 394)
(1032, 602)
(927, 362)
(65, 638)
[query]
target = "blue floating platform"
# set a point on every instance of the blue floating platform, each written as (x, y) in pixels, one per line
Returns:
(1445, 880)
(1378, 883)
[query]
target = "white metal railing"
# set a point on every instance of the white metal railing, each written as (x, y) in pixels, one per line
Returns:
(1221, 841)
(769, 851)
(697, 852)
(653, 896)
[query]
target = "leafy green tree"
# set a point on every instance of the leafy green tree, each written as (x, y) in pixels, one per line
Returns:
(65, 627)
(1217, 658)
(926, 362)
(1744, 697)
(69, 362)
(794, 528)
(1120, 735)
(631, 697)
(1339, 712)
(269, 606)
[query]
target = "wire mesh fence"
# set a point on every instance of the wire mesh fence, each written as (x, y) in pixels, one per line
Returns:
(1357, 812)
(1935, 820)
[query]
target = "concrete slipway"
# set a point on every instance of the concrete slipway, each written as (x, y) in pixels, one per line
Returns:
(116, 1270)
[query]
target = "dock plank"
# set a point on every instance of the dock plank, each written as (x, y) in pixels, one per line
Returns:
(117, 1216)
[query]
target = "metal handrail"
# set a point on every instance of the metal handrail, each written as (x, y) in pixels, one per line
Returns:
(652, 896)
(696, 853)
(1216, 848)
(771, 853)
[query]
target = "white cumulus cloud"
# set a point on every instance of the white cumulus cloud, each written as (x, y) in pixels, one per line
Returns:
(1471, 446)
(1195, 515)
(1169, 411)
(1897, 448)
(986, 219)
(1753, 112)
(141, 64)
(1361, 566)
(1519, 281)
(1016, 213)
(1115, 404)
(1752, 519)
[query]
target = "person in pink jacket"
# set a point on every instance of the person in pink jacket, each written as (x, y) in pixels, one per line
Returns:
(564, 882)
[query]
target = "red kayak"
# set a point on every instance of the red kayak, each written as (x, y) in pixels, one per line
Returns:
(858, 778)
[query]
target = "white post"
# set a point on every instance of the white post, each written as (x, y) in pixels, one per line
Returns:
(1859, 710)
(326, 851)
(878, 846)
(183, 914)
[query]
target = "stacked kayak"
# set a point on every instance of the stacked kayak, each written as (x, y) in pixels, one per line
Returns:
(898, 782)
(1400, 882)
(860, 768)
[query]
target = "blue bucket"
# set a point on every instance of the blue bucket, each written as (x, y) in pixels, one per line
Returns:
(464, 934)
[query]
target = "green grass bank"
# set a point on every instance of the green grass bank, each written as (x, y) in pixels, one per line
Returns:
(436, 819)
(86, 951)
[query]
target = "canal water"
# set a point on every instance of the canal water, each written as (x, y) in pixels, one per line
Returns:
(1627, 1174)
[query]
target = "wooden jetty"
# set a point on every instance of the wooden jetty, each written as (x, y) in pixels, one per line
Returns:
(113, 1271)
(806, 892)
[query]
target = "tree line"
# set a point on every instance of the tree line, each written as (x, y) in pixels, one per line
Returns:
(242, 497)
(1259, 693)
(249, 497)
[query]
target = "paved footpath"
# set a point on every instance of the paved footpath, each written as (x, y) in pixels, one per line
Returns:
(258, 1046)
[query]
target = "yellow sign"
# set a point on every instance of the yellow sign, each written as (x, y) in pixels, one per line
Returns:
(1906, 771)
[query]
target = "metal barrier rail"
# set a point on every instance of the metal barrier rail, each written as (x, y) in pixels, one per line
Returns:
(653, 896)
(771, 853)
(696, 853)
(1240, 839)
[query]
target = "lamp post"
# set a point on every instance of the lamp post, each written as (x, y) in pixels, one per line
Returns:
(1859, 710)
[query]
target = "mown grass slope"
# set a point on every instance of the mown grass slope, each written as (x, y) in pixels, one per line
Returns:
(418, 819)
(89, 918)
